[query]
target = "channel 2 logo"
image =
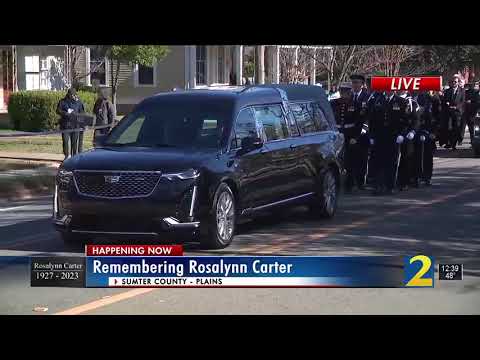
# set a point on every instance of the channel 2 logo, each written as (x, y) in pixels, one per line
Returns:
(407, 83)
(419, 271)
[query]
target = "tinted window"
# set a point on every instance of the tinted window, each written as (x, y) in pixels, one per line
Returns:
(245, 126)
(171, 125)
(304, 115)
(274, 124)
(320, 118)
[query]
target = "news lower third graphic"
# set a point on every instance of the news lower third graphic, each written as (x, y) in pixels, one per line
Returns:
(57, 271)
(141, 266)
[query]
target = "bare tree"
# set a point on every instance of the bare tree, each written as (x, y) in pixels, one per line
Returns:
(294, 65)
(75, 54)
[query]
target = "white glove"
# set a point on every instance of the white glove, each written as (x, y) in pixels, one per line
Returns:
(353, 141)
(400, 139)
(363, 132)
(411, 135)
(422, 138)
(372, 142)
(69, 111)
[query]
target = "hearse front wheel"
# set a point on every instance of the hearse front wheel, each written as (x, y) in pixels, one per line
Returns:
(222, 222)
(325, 202)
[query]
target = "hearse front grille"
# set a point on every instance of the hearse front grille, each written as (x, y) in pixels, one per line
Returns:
(116, 184)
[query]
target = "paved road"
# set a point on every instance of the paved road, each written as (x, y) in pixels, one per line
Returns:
(442, 220)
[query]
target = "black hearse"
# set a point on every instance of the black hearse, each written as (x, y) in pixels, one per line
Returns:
(199, 160)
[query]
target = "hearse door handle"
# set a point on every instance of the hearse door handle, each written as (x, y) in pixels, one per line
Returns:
(293, 146)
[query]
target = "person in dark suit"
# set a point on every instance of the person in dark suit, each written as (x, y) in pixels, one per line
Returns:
(472, 102)
(68, 108)
(104, 112)
(360, 98)
(453, 107)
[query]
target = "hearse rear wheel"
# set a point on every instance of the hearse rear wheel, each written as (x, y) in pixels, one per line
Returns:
(325, 203)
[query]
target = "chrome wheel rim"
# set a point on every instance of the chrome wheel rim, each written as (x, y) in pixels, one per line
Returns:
(330, 193)
(225, 216)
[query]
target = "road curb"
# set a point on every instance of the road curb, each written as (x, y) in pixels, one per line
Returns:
(11, 157)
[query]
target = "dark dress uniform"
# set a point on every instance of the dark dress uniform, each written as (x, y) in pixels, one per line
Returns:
(360, 118)
(425, 138)
(371, 163)
(388, 120)
(409, 125)
(452, 107)
(472, 102)
(344, 110)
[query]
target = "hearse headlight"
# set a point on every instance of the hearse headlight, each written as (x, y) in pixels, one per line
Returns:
(64, 176)
(184, 175)
(476, 128)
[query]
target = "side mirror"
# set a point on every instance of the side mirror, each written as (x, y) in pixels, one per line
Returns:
(251, 143)
(99, 140)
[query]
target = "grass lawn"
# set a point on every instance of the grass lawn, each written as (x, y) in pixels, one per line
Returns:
(51, 144)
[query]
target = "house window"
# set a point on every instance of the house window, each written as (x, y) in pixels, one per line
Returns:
(145, 75)
(201, 65)
(98, 68)
(32, 72)
(221, 64)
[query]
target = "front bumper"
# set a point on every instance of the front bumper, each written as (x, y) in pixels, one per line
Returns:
(172, 207)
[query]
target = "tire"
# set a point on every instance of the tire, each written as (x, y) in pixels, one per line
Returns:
(326, 199)
(222, 220)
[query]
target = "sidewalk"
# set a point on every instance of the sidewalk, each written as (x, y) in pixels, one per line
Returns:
(31, 156)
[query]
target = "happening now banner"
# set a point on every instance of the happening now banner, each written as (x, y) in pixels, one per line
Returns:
(140, 266)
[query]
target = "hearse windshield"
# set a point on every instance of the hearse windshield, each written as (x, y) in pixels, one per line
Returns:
(172, 124)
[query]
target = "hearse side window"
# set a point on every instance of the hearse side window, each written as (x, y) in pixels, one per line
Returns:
(303, 112)
(331, 124)
(274, 124)
(245, 126)
(320, 118)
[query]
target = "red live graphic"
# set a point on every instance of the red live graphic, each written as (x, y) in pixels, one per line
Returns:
(395, 83)
(133, 250)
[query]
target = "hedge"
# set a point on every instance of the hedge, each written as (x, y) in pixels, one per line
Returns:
(35, 110)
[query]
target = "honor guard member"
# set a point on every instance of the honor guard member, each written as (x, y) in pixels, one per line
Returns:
(343, 110)
(472, 101)
(371, 163)
(387, 126)
(425, 138)
(360, 98)
(406, 171)
(453, 102)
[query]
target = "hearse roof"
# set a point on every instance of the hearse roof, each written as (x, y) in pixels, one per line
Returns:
(241, 96)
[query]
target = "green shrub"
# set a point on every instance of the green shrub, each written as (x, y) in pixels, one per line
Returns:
(36, 110)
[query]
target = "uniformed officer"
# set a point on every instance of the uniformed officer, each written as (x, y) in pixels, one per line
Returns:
(388, 125)
(406, 170)
(343, 110)
(371, 164)
(425, 138)
(453, 103)
(360, 98)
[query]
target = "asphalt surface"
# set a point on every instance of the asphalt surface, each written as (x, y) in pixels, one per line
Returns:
(442, 221)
